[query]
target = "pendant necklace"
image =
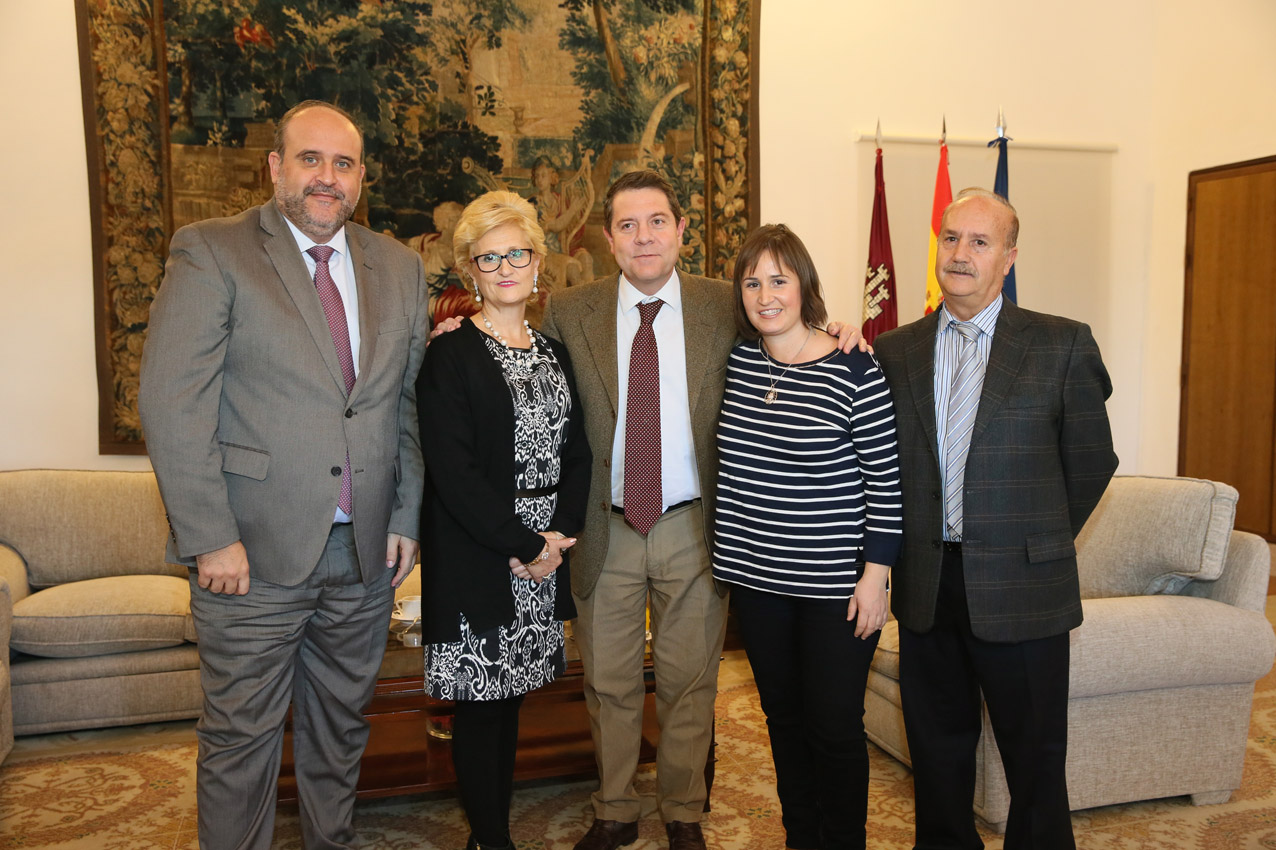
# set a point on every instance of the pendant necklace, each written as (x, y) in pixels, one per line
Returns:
(771, 394)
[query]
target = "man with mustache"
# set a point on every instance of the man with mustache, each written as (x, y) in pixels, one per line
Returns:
(278, 398)
(1005, 450)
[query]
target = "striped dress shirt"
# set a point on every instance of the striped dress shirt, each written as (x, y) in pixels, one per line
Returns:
(947, 353)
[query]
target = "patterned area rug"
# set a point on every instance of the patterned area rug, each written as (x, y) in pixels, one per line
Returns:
(142, 798)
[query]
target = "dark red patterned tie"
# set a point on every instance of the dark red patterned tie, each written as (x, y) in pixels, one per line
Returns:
(330, 298)
(644, 497)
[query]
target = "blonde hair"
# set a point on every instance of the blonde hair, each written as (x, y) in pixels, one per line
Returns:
(488, 212)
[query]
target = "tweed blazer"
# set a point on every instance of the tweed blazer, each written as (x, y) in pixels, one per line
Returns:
(584, 319)
(1040, 457)
(244, 406)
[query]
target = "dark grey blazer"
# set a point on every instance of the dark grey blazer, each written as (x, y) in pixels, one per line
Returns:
(584, 318)
(1040, 458)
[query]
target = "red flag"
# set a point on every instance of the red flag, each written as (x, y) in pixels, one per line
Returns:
(943, 197)
(880, 314)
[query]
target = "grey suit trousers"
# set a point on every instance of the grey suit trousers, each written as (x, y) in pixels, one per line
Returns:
(317, 646)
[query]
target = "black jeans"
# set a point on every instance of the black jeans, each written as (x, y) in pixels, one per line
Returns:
(811, 670)
(484, 739)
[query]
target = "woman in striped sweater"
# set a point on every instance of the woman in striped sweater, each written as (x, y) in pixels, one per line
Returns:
(808, 525)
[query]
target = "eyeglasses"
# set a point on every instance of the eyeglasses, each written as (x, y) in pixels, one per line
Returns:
(518, 258)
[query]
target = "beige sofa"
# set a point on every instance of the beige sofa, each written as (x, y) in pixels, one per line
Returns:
(1164, 666)
(96, 627)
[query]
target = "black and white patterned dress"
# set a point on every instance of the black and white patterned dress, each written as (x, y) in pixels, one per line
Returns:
(519, 657)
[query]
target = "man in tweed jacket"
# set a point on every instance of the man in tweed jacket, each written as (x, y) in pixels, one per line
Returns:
(987, 603)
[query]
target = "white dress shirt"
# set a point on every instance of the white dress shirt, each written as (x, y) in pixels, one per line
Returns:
(341, 267)
(679, 478)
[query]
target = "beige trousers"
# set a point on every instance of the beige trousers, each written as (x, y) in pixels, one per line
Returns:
(688, 622)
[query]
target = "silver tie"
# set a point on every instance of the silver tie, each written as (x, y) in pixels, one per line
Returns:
(963, 403)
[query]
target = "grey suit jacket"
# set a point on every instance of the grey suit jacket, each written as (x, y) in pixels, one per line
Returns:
(1040, 458)
(584, 319)
(244, 407)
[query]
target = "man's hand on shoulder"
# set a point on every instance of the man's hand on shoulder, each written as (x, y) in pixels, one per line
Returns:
(448, 325)
(849, 337)
(400, 551)
(224, 570)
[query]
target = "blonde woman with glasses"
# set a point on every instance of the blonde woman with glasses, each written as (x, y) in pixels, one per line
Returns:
(508, 475)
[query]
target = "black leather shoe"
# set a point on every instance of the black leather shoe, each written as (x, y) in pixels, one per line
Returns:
(471, 844)
(608, 835)
(684, 836)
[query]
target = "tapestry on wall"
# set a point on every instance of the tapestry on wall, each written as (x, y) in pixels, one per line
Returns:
(552, 99)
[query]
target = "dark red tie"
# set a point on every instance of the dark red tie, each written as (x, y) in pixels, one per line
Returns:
(330, 298)
(644, 496)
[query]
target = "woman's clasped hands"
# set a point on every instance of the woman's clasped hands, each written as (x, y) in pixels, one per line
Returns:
(550, 558)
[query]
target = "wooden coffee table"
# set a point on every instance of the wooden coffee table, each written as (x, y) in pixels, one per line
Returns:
(409, 748)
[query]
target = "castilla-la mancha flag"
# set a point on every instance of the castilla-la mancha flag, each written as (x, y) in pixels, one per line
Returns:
(880, 315)
(943, 197)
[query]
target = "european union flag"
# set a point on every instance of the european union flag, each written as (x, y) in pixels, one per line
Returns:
(1001, 185)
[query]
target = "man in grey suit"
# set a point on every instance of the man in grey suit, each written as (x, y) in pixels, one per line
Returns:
(1005, 450)
(277, 396)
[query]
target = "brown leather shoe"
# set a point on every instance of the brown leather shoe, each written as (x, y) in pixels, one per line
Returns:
(609, 834)
(684, 836)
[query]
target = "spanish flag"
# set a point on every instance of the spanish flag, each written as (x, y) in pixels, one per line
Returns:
(943, 197)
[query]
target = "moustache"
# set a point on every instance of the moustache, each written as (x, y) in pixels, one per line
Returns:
(960, 268)
(327, 190)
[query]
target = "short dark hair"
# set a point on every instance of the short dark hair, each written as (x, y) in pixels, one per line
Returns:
(639, 180)
(313, 104)
(788, 250)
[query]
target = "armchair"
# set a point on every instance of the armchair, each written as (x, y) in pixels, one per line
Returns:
(1174, 628)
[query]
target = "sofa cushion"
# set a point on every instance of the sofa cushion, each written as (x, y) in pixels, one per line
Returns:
(1152, 642)
(53, 517)
(1155, 535)
(102, 616)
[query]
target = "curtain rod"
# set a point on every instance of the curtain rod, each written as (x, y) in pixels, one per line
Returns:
(979, 143)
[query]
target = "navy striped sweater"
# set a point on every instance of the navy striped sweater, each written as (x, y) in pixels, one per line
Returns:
(808, 486)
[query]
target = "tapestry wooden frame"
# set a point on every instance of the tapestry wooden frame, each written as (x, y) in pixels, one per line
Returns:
(126, 99)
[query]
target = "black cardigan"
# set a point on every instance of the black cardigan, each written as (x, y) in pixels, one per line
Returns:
(468, 526)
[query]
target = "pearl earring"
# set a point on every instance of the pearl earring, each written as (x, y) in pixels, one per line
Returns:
(536, 276)
(478, 299)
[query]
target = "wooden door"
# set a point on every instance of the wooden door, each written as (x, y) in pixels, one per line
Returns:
(1227, 415)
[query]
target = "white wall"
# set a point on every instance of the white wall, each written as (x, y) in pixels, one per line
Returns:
(48, 380)
(1059, 77)
(1215, 103)
(1176, 85)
